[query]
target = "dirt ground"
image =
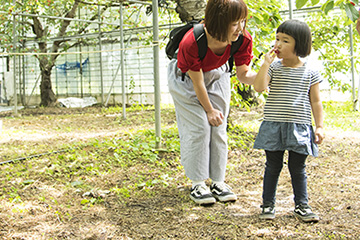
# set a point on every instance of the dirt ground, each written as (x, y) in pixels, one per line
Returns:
(333, 186)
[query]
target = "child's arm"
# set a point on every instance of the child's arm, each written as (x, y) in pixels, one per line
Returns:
(317, 110)
(262, 78)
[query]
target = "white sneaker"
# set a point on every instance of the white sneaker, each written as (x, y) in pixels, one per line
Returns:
(222, 192)
(201, 195)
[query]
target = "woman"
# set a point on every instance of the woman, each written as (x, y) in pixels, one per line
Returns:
(202, 97)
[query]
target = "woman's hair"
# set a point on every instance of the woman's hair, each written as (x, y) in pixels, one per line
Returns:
(301, 32)
(220, 14)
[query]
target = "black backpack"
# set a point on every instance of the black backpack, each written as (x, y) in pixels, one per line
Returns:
(178, 33)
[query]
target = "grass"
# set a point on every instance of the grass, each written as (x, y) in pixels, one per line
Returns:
(341, 116)
(124, 170)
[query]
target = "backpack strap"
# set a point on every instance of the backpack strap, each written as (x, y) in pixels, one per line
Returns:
(234, 47)
(200, 38)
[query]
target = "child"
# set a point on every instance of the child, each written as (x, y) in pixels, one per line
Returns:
(294, 90)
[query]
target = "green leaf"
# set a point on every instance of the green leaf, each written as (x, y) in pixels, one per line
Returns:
(314, 2)
(351, 12)
(300, 3)
(329, 5)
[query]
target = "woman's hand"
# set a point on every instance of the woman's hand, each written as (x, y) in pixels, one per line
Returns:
(215, 117)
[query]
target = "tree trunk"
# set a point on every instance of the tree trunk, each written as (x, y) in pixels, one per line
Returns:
(190, 9)
(48, 97)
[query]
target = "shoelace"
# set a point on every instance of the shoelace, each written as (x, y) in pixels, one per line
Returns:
(202, 189)
(223, 187)
(268, 209)
(305, 208)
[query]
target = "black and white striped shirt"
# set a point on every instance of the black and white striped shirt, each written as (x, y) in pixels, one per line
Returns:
(289, 96)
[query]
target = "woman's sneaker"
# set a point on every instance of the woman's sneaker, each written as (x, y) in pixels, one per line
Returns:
(201, 195)
(222, 192)
(268, 212)
(303, 212)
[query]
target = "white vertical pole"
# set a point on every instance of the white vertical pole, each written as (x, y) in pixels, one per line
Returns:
(122, 61)
(14, 61)
(352, 66)
(156, 73)
(290, 10)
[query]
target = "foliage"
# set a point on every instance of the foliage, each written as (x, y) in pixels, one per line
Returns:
(330, 33)
(332, 42)
(263, 18)
(346, 5)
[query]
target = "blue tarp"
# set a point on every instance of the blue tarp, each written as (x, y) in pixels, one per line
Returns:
(67, 66)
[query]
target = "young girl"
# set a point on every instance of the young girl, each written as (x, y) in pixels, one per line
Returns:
(294, 92)
(202, 97)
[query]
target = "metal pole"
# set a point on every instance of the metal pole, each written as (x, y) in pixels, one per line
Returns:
(357, 104)
(290, 9)
(352, 66)
(101, 69)
(123, 89)
(14, 61)
(81, 66)
(23, 67)
(156, 74)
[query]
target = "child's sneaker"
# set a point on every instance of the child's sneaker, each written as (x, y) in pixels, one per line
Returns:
(201, 195)
(303, 211)
(222, 192)
(268, 212)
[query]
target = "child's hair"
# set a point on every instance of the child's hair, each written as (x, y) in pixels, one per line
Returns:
(301, 32)
(221, 13)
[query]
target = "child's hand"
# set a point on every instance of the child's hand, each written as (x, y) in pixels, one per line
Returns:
(270, 56)
(319, 135)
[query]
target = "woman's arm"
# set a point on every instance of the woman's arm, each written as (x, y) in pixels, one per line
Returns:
(215, 117)
(317, 110)
(245, 75)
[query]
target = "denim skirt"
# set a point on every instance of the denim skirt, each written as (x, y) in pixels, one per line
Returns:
(281, 136)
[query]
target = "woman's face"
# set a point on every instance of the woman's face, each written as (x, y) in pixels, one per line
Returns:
(236, 29)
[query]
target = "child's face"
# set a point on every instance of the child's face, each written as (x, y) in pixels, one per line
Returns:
(284, 46)
(235, 29)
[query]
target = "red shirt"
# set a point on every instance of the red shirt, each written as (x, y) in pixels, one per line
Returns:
(188, 57)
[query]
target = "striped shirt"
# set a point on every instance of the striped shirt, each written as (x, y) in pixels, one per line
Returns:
(289, 96)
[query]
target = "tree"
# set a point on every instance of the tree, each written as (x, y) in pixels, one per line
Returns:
(35, 18)
(190, 9)
(50, 33)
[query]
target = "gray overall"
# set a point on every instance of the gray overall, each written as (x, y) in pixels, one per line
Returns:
(203, 148)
